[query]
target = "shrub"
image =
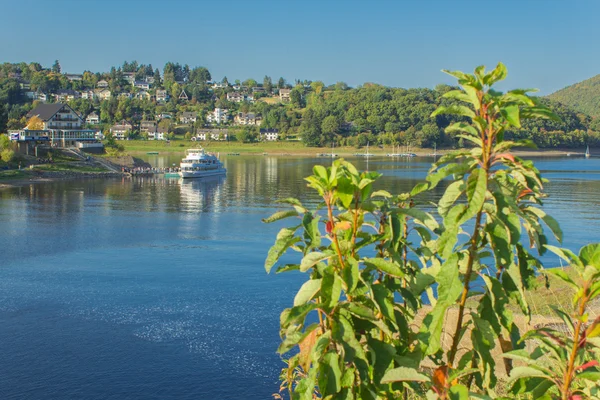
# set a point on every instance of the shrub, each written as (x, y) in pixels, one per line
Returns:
(383, 275)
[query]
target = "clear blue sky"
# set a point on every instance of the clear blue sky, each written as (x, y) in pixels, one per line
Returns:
(546, 44)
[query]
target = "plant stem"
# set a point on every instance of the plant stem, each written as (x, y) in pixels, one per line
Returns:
(465, 292)
(565, 390)
(333, 235)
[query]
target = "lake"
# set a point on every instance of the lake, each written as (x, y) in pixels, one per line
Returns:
(151, 288)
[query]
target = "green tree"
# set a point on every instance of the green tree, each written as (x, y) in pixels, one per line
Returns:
(268, 84)
(330, 125)
(56, 67)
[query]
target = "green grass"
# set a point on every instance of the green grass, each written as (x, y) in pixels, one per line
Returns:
(135, 146)
(67, 167)
(14, 174)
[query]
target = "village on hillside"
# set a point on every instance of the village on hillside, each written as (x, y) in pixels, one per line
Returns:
(81, 110)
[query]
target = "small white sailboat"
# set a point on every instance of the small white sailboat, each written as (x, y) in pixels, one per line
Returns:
(367, 154)
(587, 152)
(434, 154)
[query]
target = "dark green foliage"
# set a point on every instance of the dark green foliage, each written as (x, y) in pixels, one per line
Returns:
(583, 96)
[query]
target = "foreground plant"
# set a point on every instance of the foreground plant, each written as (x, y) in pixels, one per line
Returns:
(383, 273)
(564, 361)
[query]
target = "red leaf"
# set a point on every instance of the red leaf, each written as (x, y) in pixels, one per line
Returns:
(587, 365)
(329, 227)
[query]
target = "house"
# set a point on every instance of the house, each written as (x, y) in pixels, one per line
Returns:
(163, 116)
(25, 85)
(129, 77)
(103, 94)
(157, 133)
(258, 89)
(211, 134)
(142, 85)
(149, 79)
(146, 126)
(235, 97)
(102, 84)
(41, 96)
(125, 95)
(92, 119)
(63, 126)
(237, 87)
(188, 117)
(66, 95)
(247, 119)
(143, 95)
(88, 95)
(121, 130)
(162, 95)
(183, 95)
(284, 94)
(218, 116)
(30, 95)
(219, 85)
(74, 77)
(270, 135)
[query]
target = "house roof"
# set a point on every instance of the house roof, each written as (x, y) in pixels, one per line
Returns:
(188, 114)
(46, 111)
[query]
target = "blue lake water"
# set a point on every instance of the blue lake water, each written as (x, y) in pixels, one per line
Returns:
(154, 289)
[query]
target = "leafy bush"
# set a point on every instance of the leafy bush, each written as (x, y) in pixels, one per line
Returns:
(369, 321)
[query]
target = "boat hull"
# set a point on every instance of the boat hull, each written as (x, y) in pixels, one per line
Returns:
(200, 174)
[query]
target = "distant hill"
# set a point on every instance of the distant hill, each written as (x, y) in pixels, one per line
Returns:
(583, 96)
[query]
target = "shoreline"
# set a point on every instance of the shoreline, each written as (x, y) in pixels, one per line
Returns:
(48, 176)
(138, 148)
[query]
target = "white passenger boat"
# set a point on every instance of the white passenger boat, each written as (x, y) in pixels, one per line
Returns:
(198, 163)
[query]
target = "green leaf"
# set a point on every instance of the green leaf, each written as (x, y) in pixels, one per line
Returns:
(548, 220)
(462, 127)
(566, 255)
(285, 239)
(419, 188)
(590, 255)
(452, 193)
(383, 301)
(381, 193)
(384, 355)
(312, 235)
(419, 215)
(313, 258)
(350, 274)
(403, 374)
(307, 292)
(498, 74)
(331, 288)
(449, 288)
(280, 215)
(330, 374)
(296, 314)
(476, 190)
(527, 372)
(386, 266)
(321, 172)
(563, 276)
(458, 392)
(345, 191)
